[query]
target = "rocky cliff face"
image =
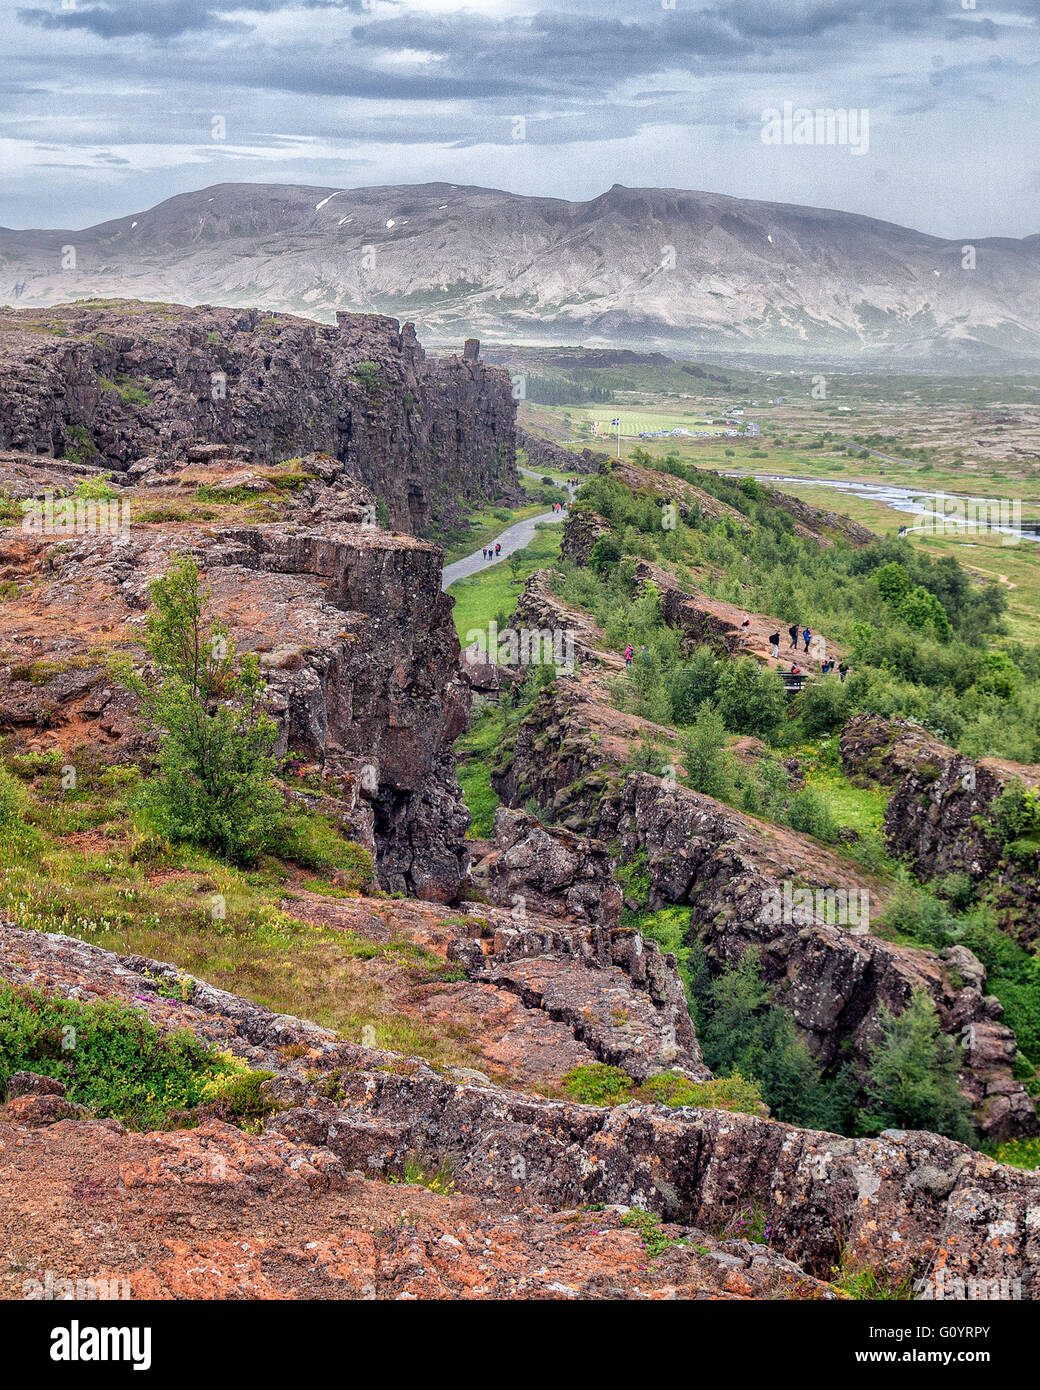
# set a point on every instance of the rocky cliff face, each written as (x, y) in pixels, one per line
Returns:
(831, 973)
(353, 633)
(305, 1196)
(740, 878)
(109, 384)
(543, 453)
(941, 814)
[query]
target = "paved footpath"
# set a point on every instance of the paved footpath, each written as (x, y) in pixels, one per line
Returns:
(513, 538)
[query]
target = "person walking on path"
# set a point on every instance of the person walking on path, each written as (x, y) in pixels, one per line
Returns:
(498, 547)
(843, 670)
(774, 646)
(629, 653)
(793, 630)
(807, 634)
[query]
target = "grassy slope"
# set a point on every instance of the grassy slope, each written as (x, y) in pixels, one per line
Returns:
(85, 869)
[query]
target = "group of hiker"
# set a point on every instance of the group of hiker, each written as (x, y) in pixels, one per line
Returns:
(805, 635)
(492, 552)
(559, 506)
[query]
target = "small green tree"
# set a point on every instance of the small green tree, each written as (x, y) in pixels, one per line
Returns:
(893, 581)
(214, 782)
(693, 683)
(605, 554)
(823, 707)
(912, 1077)
(743, 1031)
(998, 675)
(920, 609)
(707, 762)
(1016, 813)
(750, 697)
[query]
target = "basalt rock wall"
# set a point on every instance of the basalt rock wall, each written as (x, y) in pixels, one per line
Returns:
(354, 637)
(109, 384)
(732, 871)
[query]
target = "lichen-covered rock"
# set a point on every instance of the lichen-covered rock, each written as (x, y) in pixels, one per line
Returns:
(874, 749)
(941, 814)
(213, 1213)
(31, 1083)
(538, 610)
(618, 992)
(905, 1203)
(548, 868)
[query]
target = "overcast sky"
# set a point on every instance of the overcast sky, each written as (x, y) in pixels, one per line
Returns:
(110, 105)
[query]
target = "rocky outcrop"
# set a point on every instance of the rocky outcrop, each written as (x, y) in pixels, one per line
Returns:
(546, 867)
(531, 998)
(728, 629)
(619, 994)
(581, 531)
(543, 453)
(808, 917)
(109, 384)
(905, 1202)
(539, 610)
(908, 1203)
(216, 1213)
(825, 526)
(940, 816)
(26, 475)
(560, 753)
(352, 631)
(740, 878)
(874, 749)
(664, 488)
(487, 678)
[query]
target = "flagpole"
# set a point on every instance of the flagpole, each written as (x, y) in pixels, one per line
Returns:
(619, 436)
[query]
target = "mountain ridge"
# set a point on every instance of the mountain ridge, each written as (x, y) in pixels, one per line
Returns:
(632, 266)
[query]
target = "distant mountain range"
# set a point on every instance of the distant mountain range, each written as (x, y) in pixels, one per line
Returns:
(638, 267)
